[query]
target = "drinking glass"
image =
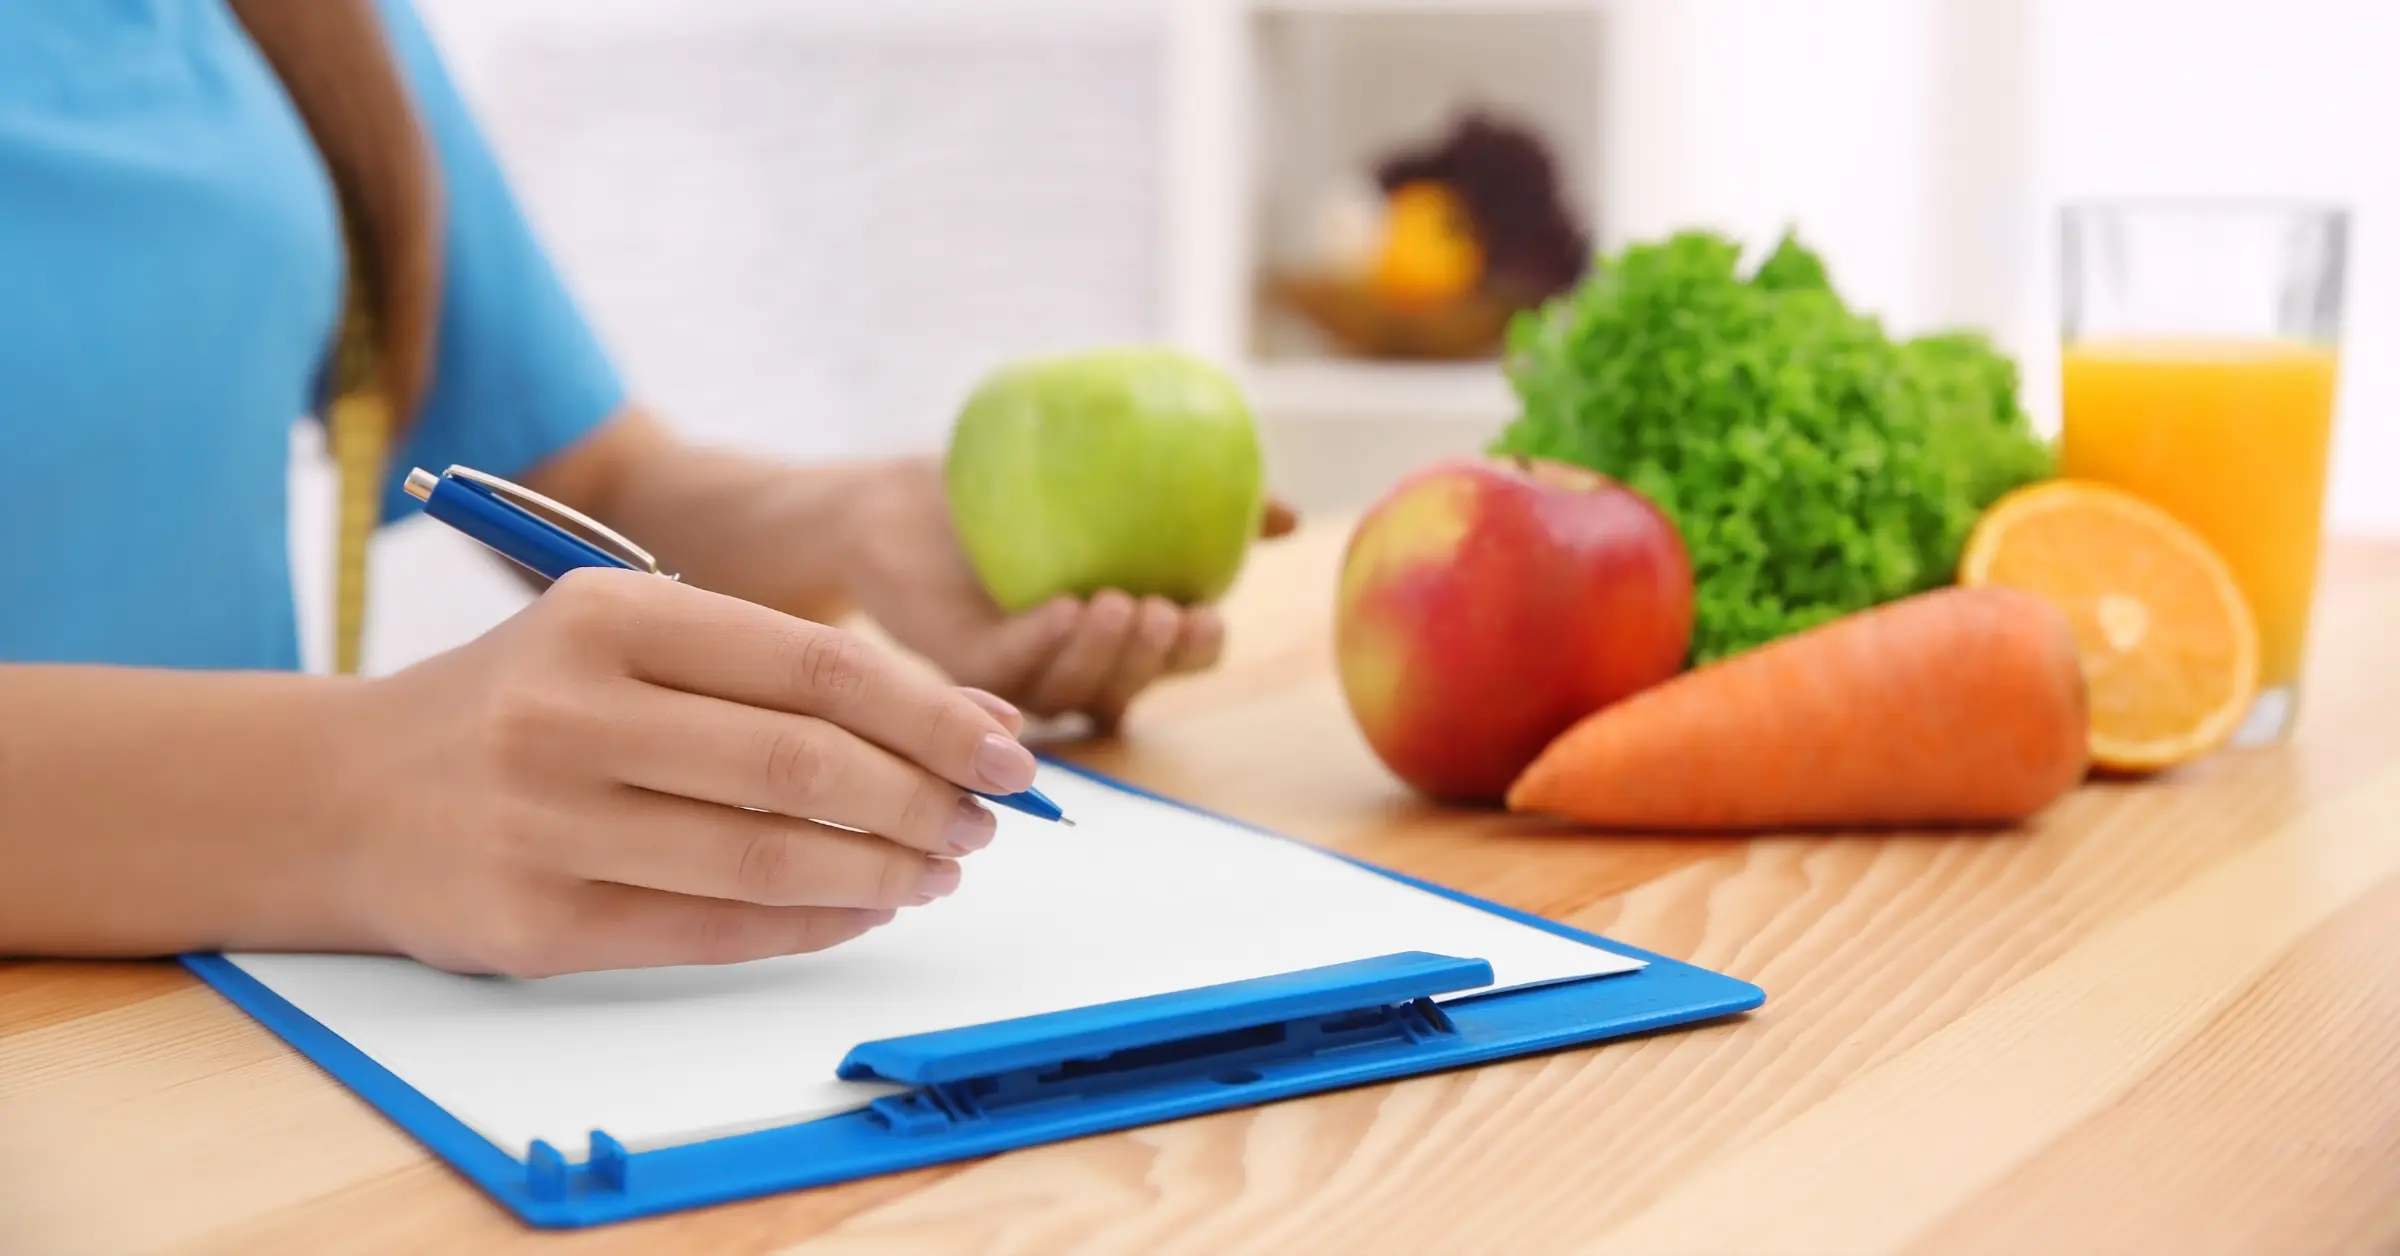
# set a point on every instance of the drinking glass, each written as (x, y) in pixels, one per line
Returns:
(2198, 371)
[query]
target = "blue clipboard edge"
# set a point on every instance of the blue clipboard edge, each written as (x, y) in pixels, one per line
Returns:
(546, 1192)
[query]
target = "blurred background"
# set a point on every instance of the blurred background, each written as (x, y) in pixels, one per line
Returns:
(807, 228)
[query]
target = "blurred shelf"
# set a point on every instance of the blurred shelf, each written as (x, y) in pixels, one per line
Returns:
(1281, 110)
(1442, 392)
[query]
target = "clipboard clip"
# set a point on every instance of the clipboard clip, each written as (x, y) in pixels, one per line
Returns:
(1159, 1048)
(1124, 1062)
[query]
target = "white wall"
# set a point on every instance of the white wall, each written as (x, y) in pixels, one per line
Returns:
(1758, 114)
(807, 228)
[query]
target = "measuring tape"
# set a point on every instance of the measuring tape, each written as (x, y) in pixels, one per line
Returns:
(359, 431)
(360, 426)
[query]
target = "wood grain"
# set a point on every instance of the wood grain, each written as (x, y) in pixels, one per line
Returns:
(2290, 1095)
(2163, 1017)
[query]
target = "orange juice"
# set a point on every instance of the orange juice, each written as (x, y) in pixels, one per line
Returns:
(2230, 436)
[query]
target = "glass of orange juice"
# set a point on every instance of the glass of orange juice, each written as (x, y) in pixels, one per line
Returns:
(2198, 371)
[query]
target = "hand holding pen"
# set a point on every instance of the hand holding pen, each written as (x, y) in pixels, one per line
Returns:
(634, 772)
(551, 540)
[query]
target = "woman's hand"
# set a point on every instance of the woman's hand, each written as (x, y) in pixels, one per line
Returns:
(635, 772)
(1089, 657)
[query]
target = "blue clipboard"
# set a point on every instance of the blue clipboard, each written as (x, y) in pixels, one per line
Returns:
(984, 1089)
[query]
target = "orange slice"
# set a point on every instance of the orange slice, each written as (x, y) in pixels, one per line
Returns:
(2168, 641)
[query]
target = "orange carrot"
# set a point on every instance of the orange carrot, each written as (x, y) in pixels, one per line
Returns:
(1955, 707)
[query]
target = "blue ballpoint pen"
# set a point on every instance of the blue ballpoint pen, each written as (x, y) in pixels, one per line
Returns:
(551, 540)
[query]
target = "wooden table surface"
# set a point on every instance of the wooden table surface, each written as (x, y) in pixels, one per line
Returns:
(2164, 1019)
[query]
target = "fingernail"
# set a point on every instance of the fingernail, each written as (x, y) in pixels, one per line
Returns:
(1005, 766)
(880, 917)
(941, 879)
(972, 828)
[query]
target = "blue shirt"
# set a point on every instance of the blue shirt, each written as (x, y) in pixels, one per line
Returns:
(170, 286)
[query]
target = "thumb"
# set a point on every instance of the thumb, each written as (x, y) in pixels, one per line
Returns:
(1020, 646)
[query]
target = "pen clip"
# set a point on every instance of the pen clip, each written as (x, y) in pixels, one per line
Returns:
(566, 518)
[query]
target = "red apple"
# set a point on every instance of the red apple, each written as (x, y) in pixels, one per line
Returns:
(1488, 603)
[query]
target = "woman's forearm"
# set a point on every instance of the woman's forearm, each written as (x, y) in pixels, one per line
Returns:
(149, 812)
(761, 531)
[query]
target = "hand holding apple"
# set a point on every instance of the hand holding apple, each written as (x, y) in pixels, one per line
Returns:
(1486, 604)
(1067, 656)
(1093, 505)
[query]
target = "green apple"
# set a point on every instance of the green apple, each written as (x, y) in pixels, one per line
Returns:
(1132, 468)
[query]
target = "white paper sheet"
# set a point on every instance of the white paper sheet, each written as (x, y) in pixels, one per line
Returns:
(1140, 898)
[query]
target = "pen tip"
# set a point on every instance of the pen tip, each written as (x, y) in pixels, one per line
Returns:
(1065, 821)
